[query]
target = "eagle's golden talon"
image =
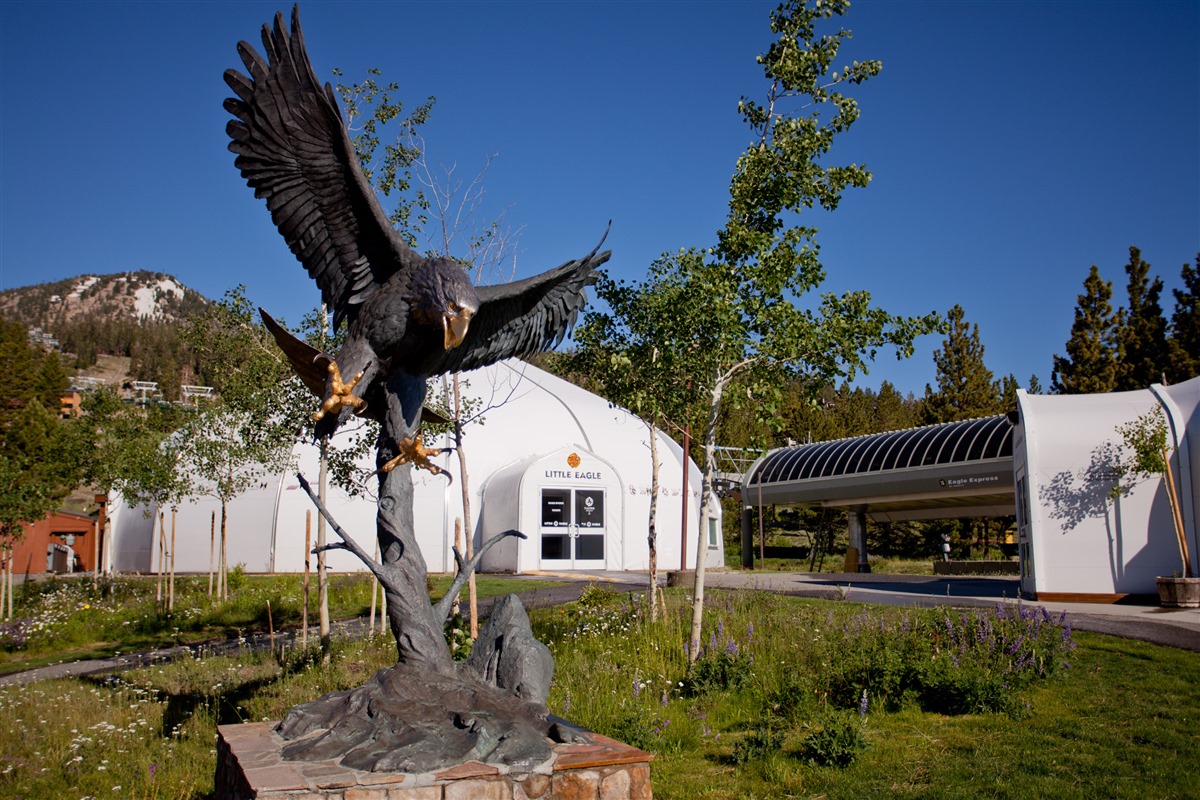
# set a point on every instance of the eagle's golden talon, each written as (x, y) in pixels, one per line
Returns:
(342, 394)
(417, 454)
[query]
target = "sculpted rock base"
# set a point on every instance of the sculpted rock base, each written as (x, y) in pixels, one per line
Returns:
(409, 718)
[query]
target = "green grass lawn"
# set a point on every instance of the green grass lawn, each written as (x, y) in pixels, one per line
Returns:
(72, 619)
(781, 674)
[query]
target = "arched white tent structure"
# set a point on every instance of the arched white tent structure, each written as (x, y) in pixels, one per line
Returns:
(1076, 542)
(1053, 464)
(547, 457)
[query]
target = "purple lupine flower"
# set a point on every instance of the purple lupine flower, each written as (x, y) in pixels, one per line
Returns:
(720, 627)
(637, 688)
(664, 698)
(731, 648)
(862, 704)
(712, 641)
(750, 630)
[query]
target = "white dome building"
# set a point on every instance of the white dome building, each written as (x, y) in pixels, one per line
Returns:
(547, 458)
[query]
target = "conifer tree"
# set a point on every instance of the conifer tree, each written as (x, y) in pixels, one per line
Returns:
(1185, 326)
(1090, 364)
(1143, 335)
(1006, 392)
(36, 465)
(893, 412)
(965, 388)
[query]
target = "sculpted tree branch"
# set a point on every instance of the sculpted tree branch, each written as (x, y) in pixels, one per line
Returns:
(465, 568)
(347, 543)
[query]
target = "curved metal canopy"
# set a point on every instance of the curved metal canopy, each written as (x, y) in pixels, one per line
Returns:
(954, 469)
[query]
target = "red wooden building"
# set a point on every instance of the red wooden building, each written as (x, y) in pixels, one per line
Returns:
(62, 542)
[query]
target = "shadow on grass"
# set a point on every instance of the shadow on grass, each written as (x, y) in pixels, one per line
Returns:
(179, 707)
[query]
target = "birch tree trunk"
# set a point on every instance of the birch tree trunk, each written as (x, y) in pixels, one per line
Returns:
(322, 572)
(652, 527)
(212, 551)
(464, 484)
(171, 582)
(710, 450)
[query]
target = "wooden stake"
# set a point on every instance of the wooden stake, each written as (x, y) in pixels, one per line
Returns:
(1176, 517)
(171, 582)
(382, 609)
(374, 592)
(3, 573)
(96, 553)
(271, 628)
(162, 546)
(456, 603)
(307, 549)
(212, 546)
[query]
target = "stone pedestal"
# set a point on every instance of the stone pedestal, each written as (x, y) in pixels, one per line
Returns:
(249, 766)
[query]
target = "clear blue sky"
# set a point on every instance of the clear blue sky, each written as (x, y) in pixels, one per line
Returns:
(1013, 144)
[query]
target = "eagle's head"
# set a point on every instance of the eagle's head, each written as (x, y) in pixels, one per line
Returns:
(445, 299)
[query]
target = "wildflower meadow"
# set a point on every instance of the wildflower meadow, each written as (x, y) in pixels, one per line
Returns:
(787, 698)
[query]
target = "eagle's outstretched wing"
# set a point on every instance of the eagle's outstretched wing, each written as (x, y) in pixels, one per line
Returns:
(524, 317)
(293, 150)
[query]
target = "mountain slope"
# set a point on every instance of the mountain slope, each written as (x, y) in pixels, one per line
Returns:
(142, 295)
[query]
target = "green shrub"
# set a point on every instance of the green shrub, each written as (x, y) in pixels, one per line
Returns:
(764, 740)
(835, 738)
(946, 661)
(640, 729)
(794, 700)
(236, 578)
(723, 671)
(458, 637)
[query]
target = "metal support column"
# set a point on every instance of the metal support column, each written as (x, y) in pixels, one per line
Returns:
(857, 522)
(747, 537)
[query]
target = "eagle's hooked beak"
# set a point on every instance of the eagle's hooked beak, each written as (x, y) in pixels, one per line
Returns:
(454, 327)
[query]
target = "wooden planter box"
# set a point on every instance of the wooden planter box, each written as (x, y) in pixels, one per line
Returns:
(1179, 592)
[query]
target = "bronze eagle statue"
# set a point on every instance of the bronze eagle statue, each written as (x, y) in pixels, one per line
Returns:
(408, 317)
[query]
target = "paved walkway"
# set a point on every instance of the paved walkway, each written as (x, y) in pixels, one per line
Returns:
(1171, 627)
(1151, 623)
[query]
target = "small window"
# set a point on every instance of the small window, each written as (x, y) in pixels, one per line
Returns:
(712, 533)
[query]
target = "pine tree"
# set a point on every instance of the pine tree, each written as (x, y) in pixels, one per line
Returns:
(37, 467)
(965, 388)
(1006, 390)
(893, 412)
(1185, 326)
(1035, 385)
(1143, 336)
(1090, 364)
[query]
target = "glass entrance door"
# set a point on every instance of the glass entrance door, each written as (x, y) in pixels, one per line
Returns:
(572, 529)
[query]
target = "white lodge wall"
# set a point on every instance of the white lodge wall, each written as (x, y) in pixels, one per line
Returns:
(528, 417)
(1078, 540)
